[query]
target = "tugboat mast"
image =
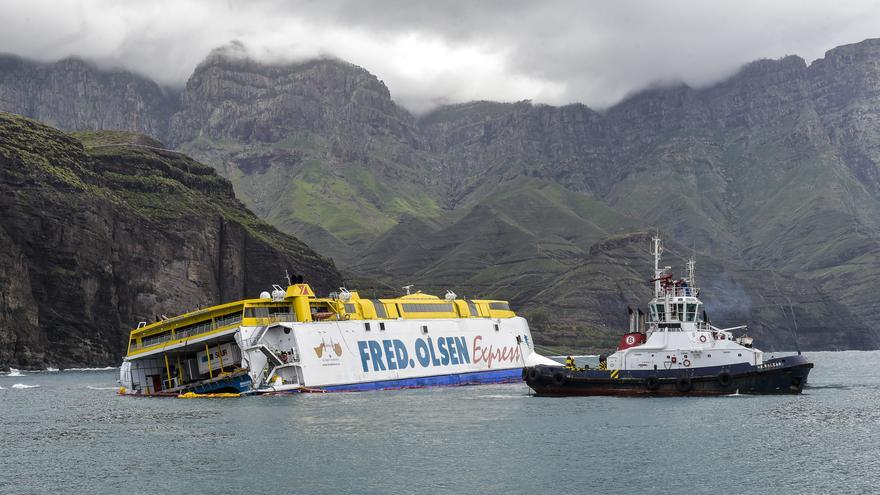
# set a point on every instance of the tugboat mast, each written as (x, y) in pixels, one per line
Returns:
(656, 250)
(690, 272)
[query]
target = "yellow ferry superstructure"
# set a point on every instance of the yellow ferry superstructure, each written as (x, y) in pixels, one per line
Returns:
(292, 341)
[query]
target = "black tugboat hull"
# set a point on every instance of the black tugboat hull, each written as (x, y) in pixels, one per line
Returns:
(777, 376)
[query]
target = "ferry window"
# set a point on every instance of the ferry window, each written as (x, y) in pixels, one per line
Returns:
(229, 319)
(473, 308)
(427, 307)
(349, 308)
(279, 311)
(259, 312)
(367, 326)
(691, 312)
(424, 328)
(496, 327)
(380, 309)
(499, 305)
(653, 312)
(382, 326)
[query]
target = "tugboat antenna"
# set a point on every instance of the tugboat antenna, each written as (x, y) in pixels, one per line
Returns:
(287, 275)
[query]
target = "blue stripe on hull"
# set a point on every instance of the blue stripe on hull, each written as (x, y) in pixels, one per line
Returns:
(477, 377)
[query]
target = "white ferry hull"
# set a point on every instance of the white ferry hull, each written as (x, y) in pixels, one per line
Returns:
(386, 354)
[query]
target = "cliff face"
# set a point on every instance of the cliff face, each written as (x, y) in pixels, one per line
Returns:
(98, 234)
(73, 94)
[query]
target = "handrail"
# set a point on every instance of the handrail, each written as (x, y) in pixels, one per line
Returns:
(190, 332)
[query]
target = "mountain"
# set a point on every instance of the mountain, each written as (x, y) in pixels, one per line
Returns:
(74, 94)
(318, 148)
(771, 176)
(103, 229)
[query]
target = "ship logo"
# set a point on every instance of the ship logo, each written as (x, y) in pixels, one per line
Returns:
(324, 347)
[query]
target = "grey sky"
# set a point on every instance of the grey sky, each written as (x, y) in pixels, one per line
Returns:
(430, 52)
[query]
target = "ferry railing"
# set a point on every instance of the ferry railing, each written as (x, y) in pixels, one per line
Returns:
(187, 332)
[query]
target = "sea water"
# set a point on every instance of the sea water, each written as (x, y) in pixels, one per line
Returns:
(68, 432)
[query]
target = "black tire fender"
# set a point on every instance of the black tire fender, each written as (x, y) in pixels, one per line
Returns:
(683, 384)
(725, 379)
(532, 373)
(652, 382)
(559, 378)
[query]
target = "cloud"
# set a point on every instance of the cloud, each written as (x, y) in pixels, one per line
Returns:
(429, 52)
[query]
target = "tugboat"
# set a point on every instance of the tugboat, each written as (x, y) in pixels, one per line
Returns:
(679, 353)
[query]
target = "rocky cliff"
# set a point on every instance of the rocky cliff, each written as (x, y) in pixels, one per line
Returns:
(101, 230)
(73, 94)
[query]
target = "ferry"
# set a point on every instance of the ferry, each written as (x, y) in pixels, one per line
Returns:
(290, 341)
(676, 352)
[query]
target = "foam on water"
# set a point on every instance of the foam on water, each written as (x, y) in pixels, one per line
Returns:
(108, 368)
(101, 388)
(14, 372)
(24, 386)
(51, 369)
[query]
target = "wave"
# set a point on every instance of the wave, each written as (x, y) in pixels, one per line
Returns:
(101, 388)
(14, 372)
(108, 368)
(51, 369)
(22, 386)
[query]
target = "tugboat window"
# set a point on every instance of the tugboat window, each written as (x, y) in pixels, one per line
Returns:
(661, 312)
(691, 312)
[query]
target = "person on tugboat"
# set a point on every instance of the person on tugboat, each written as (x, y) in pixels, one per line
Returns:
(569, 363)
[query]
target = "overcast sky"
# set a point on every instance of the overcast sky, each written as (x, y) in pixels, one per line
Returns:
(432, 52)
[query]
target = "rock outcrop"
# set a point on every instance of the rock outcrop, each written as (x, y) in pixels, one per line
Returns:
(101, 230)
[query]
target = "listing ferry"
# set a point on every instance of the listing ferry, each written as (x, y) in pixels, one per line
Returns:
(290, 341)
(677, 352)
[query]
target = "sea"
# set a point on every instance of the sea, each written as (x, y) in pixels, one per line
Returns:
(69, 432)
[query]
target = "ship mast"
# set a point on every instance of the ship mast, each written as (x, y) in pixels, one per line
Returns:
(690, 272)
(656, 250)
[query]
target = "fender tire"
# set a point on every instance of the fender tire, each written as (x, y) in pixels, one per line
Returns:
(652, 382)
(532, 373)
(725, 379)
(683, 384)
(559, 378)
